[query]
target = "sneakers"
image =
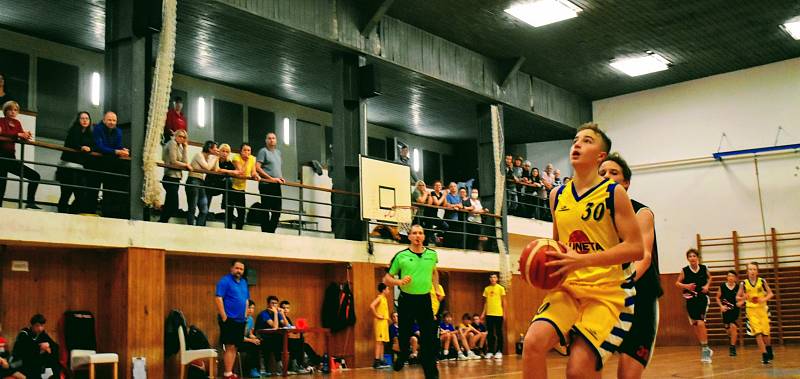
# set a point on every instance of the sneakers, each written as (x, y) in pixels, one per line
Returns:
(489, 355)
(498, 356)
(379, 364)
(732, 351)
(231, 376)
(254, 373)
(398, 363)
(461, 356)
(765, 358)
(705, 354)
(471, 355)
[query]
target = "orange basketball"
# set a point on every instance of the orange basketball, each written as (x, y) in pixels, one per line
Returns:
(532, 263)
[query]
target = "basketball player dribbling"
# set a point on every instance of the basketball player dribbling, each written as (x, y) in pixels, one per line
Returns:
(695, 281)
(756, 293)
(592, 309)
(637, 348)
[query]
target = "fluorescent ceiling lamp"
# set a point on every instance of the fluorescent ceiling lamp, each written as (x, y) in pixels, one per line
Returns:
(543, 12)
(416, 160)
(201, 112)
(95, 93)
(792, 28)
(286, 130)
(641, 65)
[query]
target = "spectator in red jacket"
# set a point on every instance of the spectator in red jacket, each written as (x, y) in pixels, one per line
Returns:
(175, 119)
(11, 128)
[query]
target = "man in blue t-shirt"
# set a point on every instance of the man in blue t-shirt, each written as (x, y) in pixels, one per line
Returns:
(231, 299)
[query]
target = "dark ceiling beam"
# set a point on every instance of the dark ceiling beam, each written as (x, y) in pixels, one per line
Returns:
(375, 17)
(511, 72)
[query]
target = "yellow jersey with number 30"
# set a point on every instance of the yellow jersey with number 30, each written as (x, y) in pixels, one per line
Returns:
(586, 224)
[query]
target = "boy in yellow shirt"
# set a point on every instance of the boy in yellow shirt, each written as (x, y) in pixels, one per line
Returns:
(493, 314)
(380, 309)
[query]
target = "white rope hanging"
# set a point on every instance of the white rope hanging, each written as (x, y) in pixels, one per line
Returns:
(499, 195)
(159, 103)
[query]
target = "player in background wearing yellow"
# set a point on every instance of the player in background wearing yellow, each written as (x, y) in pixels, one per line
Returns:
(637, 348)
(591, 311)
(695, 280)
(380, 310)
(756, 293)
(729, 306)
(437, 295)
(495, 296)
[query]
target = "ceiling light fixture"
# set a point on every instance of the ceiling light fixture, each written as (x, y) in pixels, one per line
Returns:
(636, 66)
(543, 12)
(792, 27)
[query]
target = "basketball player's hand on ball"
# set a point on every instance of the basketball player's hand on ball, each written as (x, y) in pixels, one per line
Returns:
(406, 279)
(568, 262)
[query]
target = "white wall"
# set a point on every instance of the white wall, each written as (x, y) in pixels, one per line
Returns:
(686, 120)
(555, 152)
(86, 61)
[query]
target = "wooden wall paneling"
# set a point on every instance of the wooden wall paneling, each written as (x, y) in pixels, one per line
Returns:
(464, 293)
(364, 291)
(137, 300)
(522, 302)
(674, 328)
(58, 280)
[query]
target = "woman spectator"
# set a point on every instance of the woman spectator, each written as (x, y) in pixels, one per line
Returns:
(11, 128)
(452, 215)
(466, 205)
(438, 199)
(475, 221)
(421, 197)
(524, 190)
(195, 193)
(80, 138)
(221, 182)
(245, 164)
(175, 155)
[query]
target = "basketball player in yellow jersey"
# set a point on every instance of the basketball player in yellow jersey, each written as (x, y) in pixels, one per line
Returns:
(592, 309)
(756, 293)
(380, 309)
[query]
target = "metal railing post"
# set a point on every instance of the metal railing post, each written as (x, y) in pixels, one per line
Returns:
(300, 213)
(226, 198)
(21, 173)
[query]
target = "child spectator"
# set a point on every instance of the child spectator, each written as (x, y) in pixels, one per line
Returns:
(251, 345)
(480, 344)
(36, 350)
(380, 310)
(297, 361)
(449, 336)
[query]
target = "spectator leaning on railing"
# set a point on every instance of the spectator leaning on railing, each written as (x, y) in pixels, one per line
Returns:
(245, 164)
(11, 128)
(80, 138)
(175, 154)
(108, 141)
(268, 167)
(196, 196)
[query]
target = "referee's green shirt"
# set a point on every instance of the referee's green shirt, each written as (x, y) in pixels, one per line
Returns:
(418, 266)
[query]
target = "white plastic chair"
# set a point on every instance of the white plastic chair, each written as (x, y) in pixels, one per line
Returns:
(187, 356)
(83, 358)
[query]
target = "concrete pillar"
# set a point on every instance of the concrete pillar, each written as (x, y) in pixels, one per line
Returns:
(126, 70)
(349, 140)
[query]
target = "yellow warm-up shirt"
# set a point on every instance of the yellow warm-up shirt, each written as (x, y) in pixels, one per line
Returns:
(494, 299)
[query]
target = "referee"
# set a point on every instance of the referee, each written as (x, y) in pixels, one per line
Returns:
(416, 265)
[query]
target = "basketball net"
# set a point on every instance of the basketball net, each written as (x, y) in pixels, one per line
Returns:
(159, 102)
(500, 196)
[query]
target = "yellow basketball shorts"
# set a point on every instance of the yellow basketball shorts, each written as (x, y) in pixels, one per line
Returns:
(757, 321)
(600, 314)
(381, 330)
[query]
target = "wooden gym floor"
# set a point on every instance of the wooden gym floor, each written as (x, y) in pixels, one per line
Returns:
(668, 362)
